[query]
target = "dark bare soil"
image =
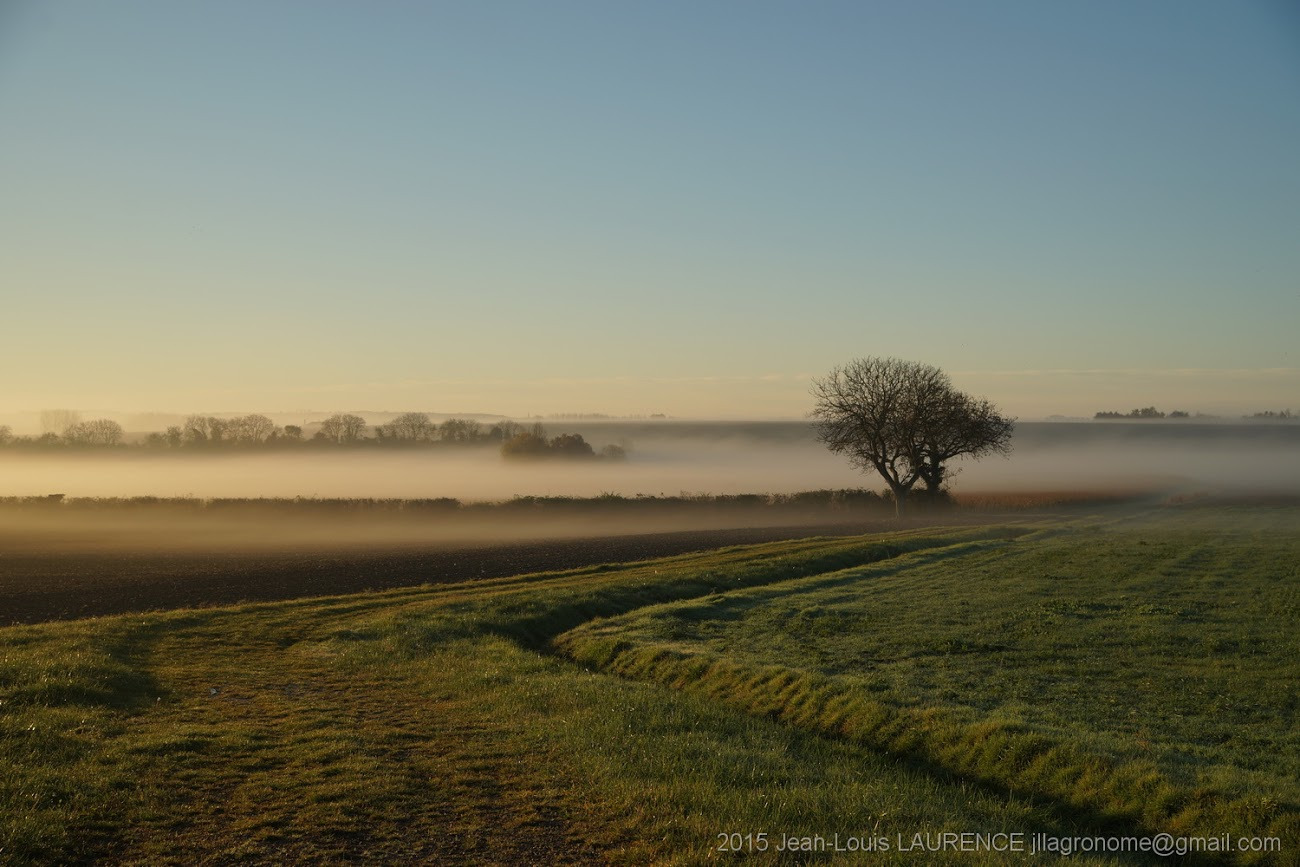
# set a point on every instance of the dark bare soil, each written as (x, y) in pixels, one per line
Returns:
(48, 581)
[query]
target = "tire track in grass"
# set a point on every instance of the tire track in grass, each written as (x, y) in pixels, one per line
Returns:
(262, 749)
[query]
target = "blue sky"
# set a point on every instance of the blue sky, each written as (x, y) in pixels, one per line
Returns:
(686, 208)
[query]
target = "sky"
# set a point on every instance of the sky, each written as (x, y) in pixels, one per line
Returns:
(631, 208)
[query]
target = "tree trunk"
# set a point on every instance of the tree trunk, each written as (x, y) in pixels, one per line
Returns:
(933, 495)
(900, 495)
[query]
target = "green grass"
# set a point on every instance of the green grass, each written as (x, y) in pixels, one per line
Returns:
(1145, 674)
(877, 685)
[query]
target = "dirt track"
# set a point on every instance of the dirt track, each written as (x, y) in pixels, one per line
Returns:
(61, 584)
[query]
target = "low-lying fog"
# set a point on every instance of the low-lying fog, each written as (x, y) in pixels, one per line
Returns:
(671, 458)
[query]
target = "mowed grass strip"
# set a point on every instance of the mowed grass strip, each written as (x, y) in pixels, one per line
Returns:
(1141, 673)
(417, 725)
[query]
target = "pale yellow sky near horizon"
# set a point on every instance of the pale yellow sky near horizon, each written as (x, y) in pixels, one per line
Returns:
(1027, 394)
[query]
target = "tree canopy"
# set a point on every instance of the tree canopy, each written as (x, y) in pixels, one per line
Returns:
(905, 421)
(99, 431)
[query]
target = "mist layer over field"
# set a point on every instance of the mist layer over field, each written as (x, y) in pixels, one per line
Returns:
(671, 458)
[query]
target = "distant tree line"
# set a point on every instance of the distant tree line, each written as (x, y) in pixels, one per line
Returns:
(533, 443)
(412, 429)
(1151, 412)
(1144, 413)
(829, 500)
(96, 432)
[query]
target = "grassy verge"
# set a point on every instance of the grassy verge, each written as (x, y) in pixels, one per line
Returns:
(1145, 676)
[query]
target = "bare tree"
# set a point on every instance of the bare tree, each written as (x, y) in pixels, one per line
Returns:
(958, 425)
(202, 429)
(412, 427)
(195, 430)
(905, 421)
(343, 428)
(460, 430)
(251, 429)
(354, 428)
(96, 432)
(218, 428)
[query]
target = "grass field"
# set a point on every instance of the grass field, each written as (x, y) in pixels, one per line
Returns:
(1128, 673)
